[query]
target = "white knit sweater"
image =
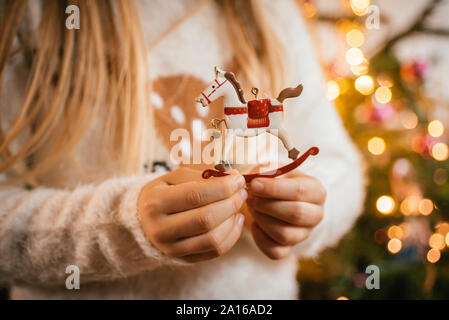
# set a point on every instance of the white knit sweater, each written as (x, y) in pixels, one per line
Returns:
(90, 220)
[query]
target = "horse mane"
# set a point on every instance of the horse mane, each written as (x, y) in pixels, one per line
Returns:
(238, 89)
(289, 93)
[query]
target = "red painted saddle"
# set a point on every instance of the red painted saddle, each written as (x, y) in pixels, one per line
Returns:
(258, 111)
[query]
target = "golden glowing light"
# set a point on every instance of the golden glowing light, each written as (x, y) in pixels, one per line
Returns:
(440, 151)
(409, 119)
(383, 95)
(309, 10)
(364, 84)
(435, 128)
(342, 298)
(443, 228)
(360, 69)
(359, 7)
(433, 255)
(332, 90)
(395, 232)
(354, 56)
(409, 206)
(394, 245)
(436, 241)
(355, 38)
(376, 146)
(385, 204)
(425, 207)
(447, 239)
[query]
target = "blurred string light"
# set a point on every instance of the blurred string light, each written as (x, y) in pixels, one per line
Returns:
(385, 204)
(332, 90)
(354, 56)
(360, 7)
(364, 84)
(361, 68)
(395, 232)
(342, 298)
(394, 245)
(435, 128)
(409, 119)
(383, 95)
(410, 205)
(425, 207)
(440, 151)
(309, 9)
(376, 146)
(355, 38)
(436, 241)
(433, 255)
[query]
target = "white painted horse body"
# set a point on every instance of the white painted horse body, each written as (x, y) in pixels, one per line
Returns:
(225, 85)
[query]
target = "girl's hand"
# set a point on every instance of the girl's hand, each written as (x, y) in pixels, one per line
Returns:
(285, 210)
(190, 218)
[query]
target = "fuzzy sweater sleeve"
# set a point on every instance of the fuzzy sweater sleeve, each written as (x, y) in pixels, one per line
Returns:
(95, 228)
(313, 121)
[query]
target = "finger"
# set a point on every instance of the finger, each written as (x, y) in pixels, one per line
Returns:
(201, 220)
(283, 233)
(182, 175)
(305, 188)
(270, 248)
(298, 213)
(205, 242)
(195, 194)
(225, 246)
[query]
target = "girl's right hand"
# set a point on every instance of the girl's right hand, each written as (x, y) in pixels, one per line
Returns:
(191, 218)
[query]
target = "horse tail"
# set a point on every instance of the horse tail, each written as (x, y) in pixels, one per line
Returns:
(289, 93)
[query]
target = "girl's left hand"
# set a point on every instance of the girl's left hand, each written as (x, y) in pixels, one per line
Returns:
(285, 210)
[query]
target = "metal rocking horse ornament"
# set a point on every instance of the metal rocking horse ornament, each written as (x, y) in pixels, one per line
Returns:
(249, 119)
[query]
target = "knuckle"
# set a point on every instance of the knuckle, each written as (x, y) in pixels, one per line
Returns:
(283, 236)
(206, 221)
(153, 206)
(236, 203)
(195, 197)
(228, 188)
(276, 253)
(214, 242)
(300, 189)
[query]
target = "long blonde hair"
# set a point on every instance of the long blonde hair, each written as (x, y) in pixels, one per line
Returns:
(75, 75)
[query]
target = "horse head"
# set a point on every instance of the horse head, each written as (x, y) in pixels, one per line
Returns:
(225, 85)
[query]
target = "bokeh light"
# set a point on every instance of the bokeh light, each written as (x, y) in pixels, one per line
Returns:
(433, 255)
(395, 232)
(435, 128)
(436, 241)
(354, 56)
(447, 239)
(394, 245)
(355, 38)
(440, 176)
(409, 119)
(376, 146)
(383, 95)
(359, 7)
(364, 84)
(385, 204)
(410, 205)
(440, 151)
(332, 90)
(425, 207)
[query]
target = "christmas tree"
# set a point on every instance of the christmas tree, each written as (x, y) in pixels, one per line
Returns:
(393, 112)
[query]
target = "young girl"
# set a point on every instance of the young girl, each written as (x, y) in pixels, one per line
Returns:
(86, 116)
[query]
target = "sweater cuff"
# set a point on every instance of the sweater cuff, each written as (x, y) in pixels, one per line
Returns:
(129, 217)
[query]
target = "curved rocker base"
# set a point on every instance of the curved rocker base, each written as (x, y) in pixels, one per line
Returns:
(268, 174)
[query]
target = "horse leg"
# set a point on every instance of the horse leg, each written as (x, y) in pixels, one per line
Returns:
(224, 165)
(283, 135)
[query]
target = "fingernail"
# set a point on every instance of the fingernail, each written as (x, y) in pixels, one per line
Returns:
(240, 181)
(256, 186)
(244, 193)
(240, 219)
